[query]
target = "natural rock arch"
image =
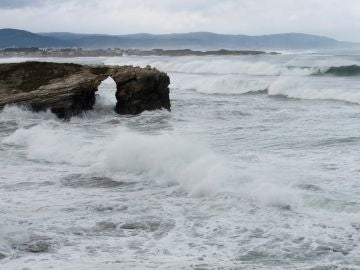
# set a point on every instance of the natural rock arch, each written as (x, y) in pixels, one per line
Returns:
(69, 89)
(105, 96)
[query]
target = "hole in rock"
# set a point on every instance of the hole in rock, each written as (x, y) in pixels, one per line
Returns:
(105, 96)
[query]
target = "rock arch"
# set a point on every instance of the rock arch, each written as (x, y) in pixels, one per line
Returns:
(69, 89)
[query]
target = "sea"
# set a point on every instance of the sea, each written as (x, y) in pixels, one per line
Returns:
(257, 166)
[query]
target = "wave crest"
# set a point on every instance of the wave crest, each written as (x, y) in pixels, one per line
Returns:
(352, 70)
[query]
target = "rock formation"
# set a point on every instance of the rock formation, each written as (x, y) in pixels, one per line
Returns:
(69, 89)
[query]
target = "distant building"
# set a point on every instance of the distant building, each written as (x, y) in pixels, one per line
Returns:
(33, 49)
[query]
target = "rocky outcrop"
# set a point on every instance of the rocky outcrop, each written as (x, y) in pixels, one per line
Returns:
(69, 89)
(140, 89)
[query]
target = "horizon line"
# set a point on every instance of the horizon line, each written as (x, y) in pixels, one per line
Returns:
(179, 33)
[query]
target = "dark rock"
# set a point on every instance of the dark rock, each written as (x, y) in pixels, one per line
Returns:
(37, 246)
(310, 187)
(105, 226)
(69, 89)
(86, 181)
(134, 226)
(2, 256)
(146, 225)
(141, 90)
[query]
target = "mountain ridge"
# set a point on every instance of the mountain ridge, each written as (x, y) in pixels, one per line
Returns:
(15, 38)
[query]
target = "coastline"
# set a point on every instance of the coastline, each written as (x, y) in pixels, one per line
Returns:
(116, 52)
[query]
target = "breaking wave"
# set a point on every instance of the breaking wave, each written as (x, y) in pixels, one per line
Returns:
(237, 76)
(218, 173)
(353, 70)
(302, 89)
(211, 66)
(299, 87)
(230, 84)
(166, 159)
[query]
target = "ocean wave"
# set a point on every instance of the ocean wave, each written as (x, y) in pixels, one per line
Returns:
(303, 89)
(299, 87)
(169, 159)
(166, 159)
(231, 84)
(228, 66)
(352, 70)
(213, 66)
(290, 87)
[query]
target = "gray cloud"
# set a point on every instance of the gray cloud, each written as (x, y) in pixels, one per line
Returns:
(334, 18)
(13, 4)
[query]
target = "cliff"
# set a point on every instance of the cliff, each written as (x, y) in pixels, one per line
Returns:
(69, 89)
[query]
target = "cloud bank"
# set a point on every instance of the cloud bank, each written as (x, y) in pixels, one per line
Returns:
(335, 18)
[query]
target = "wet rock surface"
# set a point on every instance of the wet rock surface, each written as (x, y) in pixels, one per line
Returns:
(140, 90)
(86, 181)
(105, 226)
(69, 89)
(36, 244)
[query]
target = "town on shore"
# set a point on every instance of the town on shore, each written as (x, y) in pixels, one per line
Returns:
(79, 52)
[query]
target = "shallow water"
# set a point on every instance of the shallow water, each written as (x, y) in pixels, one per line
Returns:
(256, 167)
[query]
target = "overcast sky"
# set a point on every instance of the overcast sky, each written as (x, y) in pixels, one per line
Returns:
(335, 18)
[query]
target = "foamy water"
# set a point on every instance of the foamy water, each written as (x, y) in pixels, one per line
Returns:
(256, 167)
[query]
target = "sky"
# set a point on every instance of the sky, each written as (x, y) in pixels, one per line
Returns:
(339, 19)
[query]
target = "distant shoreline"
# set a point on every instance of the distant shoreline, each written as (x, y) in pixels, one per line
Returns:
(78, 52)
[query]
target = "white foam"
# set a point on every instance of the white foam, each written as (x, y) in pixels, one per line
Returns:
(247, 174)
(49, 142)
(106, 93)
(219, 84)
(165, 158)
(24, 115)
(215, 65)
(169, 159)
(303, 89)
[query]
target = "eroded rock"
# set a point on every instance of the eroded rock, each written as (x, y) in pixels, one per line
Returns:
(69, 89)
(36, 244)
(2, 256)
(140, 89)
(87, 181)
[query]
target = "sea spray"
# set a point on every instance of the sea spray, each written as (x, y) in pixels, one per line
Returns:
(223, 181)
(169, 159)
(166, 159)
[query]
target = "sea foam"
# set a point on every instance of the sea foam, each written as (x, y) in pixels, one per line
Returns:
(166, 159)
